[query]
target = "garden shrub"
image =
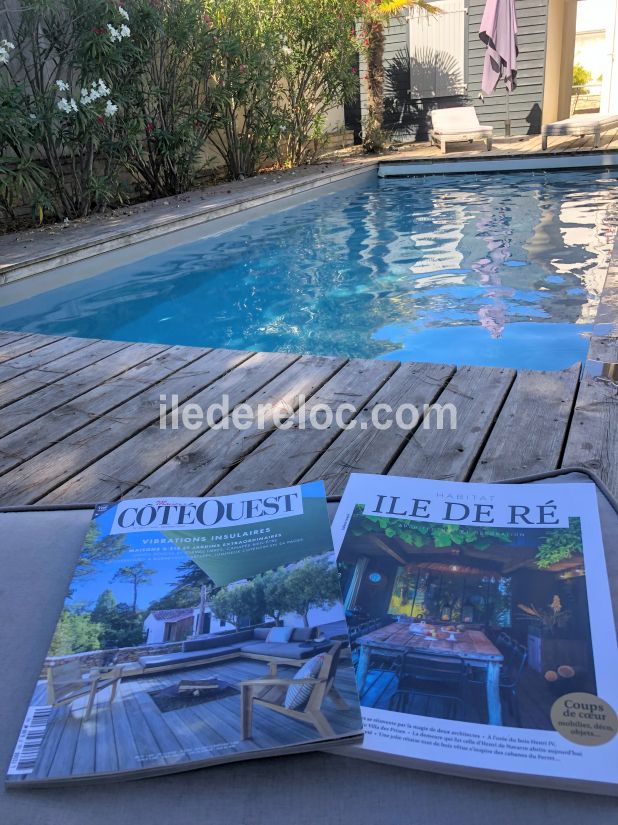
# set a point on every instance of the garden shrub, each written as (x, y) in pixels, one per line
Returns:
(95, 94)
(317, 63)
(57, 83)
(170, 101)
(247, 77)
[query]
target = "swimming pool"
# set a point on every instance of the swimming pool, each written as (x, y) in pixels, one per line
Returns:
(500, 269)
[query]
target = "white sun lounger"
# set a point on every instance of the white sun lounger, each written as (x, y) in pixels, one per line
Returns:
(458, 124)
(579, 125)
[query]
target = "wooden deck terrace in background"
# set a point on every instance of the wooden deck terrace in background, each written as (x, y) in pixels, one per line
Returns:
(80, 420)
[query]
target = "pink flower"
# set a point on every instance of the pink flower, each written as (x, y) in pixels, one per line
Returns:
(149, 127)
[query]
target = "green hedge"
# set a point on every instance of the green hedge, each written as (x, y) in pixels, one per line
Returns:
(93, 91)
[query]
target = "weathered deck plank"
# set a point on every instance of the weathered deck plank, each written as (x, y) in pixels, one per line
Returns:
(477, 393)
(122, 467)
(368, 449)
(286, 455)
(32, 360)
(34, 436)
(30, 380)
(206, 460)
(32, 479)
(22, 344)
(92, 432)
(70, 386)
(530, 432)
(593, 437)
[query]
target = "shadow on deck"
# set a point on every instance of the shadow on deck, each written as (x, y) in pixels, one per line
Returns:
(132, 733)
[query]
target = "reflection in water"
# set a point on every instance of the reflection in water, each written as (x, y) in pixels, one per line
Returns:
(488, 269)
(494, 226)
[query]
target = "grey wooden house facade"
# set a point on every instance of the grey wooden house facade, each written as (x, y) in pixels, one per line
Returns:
(437, 61)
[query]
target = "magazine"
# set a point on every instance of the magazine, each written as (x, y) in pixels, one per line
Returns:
(482, 629)
(194, 632)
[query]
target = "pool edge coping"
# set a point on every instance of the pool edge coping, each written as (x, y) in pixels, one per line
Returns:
(203, 213)
(605, 327)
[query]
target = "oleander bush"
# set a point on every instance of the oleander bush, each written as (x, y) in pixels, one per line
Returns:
(106, 100)
(248, 76)
(170, 98)
(58, 62)
(317, 64)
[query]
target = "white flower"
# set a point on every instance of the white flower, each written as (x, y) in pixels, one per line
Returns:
(98, 88)
(286, 50)
(123, 12)
(67, 106)
(118, 34)
(62, 86)
(32, 116)
(110, 109)
(5, 47)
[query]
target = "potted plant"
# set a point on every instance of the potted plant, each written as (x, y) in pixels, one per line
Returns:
(544, 642)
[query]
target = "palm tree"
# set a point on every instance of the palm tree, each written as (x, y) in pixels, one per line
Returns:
(374, 14)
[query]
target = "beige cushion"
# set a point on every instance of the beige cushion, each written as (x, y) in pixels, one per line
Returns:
(579, 123)
(297, 695)
(457, 120)
(279, 634)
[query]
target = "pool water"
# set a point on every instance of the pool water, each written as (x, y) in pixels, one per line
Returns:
(490, 269)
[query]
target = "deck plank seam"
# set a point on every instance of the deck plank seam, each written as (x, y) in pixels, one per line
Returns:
(307, 469)
(197, 353)
(260, 445)
(440, 388)
(5, 405)
(259, 442)
(571, 416)
(59, 407)
(136, 484)
(133, 434)
(483, 441)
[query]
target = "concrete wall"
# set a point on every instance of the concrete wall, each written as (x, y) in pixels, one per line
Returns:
(561, 30)
(609, 90)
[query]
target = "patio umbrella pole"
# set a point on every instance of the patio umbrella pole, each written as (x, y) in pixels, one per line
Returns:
(507, 122)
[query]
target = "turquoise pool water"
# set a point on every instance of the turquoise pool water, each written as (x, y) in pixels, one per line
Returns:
(495, 269)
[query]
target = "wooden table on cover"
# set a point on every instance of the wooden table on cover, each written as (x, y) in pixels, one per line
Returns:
(473, 646)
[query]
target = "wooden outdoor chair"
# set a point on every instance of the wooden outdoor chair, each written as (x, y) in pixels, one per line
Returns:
(270, 692)
(67, 682)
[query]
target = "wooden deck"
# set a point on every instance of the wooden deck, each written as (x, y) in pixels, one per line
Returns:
(514, 146)
(131, 733)
(80, 420)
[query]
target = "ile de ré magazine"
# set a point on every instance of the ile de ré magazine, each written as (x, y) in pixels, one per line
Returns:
(482, 628)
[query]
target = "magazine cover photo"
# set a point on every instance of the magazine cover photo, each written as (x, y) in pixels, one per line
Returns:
(178, 647)
(471, 623)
